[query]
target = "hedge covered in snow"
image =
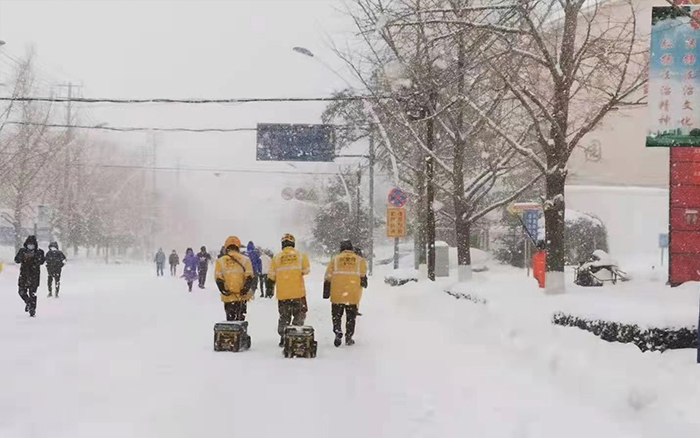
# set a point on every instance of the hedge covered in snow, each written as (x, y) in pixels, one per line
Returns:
(646, 339)
(470, 297)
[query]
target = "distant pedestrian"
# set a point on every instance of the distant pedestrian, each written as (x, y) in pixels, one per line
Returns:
(190, 272)
(174, 260)
(55, 260)
(160, 262)
(30, 257)
(265, 260)
(204, 259)
(254, 257)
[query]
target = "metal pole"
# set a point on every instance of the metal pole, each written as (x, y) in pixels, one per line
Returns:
(396, 253)
(527, 256)
(370, 254)
(358, 215)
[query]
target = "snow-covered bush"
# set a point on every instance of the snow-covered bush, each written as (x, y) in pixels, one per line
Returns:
(646, 339)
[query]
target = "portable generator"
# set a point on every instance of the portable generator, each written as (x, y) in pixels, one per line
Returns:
(299, 341)
(231, 336)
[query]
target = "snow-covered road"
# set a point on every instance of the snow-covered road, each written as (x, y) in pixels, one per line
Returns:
(125, 354)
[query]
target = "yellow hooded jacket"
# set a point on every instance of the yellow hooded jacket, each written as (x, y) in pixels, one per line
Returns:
(234, 268)
(287, 270)
(345, 272)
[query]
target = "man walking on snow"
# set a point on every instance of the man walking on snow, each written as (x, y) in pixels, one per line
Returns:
(55, 260)
(31, 258)
(346, 275)
(234, 278)
(174, 260)
(160, 262)
(204, 259)
(287, 272)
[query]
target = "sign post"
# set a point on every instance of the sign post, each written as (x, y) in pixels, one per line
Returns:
(529, 214)
(663, 244)
(396, 219)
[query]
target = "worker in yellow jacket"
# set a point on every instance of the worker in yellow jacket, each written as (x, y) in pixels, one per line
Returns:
(234, 278)
(286, 275)
(346, 275)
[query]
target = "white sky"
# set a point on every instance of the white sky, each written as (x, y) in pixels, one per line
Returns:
(203, 49)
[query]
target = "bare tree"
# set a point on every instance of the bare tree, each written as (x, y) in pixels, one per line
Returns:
(583, 59)
(438, 141)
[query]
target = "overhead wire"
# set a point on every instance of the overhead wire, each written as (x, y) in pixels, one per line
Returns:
(195, 101)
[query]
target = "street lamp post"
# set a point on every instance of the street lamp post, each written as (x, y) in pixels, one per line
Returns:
(371, 157)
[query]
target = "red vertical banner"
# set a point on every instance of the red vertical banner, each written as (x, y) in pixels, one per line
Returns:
(684, 209)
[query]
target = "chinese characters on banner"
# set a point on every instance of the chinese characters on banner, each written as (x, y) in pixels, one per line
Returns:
(674, 77)
(395, 222)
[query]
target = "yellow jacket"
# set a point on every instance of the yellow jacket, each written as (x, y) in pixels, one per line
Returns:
(234, 268)
(287, 270)
(345, 272)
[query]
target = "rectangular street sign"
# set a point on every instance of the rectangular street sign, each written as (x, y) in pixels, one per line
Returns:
(395, 222)
(278, 142)
(663, 240)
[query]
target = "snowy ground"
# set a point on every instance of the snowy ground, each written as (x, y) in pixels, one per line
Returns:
(125, 354)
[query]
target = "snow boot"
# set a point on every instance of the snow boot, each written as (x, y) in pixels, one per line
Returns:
(338, 339)
(26, 307)
(281, 344)
(49, 295)
(349, 341)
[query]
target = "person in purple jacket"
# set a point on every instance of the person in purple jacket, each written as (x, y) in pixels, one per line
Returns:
(190, 272)
(255, 260)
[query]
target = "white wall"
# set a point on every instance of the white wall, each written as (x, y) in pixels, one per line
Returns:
(634, 216)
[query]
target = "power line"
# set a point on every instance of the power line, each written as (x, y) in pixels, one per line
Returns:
(151, 129)
(132, 129)
(202, 169)
(194, 101)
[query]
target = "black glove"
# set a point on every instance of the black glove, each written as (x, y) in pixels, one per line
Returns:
(326, 290)
(222, 287)
(247, 285)
(363, 282)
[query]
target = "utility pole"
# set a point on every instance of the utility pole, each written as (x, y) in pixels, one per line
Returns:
(372, 158)
(358, 209)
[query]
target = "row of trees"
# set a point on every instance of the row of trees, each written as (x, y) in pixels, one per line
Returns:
(478, 103)
(61, 173)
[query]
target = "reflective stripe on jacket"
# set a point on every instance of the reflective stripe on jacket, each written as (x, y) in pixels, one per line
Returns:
(229, 269)
(345, 272)
(287, 270)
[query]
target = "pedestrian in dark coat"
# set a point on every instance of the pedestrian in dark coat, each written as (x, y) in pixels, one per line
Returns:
(31, 258)
(174, 260)
(55, 260)
(190, 272)
(254, 257)
(204, 259)
(160, 262)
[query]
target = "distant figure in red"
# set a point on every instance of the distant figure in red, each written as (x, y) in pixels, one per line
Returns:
(539, 263)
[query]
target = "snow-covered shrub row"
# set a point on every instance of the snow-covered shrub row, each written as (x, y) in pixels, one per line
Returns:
(470, 297)
(395, 281)
(646, 339)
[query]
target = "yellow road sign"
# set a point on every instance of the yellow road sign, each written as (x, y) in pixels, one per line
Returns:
(395, 222)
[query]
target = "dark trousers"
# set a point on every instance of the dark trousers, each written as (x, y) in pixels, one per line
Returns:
(28, 295)
(262, 280)
(54, 276)
(236, 310)
(337, 315)
(291, 312)
(202, 276)
(159, 269)
(173, 270)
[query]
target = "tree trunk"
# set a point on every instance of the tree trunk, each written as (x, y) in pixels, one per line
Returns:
(555, 227)
(463, 231)
(17, 223)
